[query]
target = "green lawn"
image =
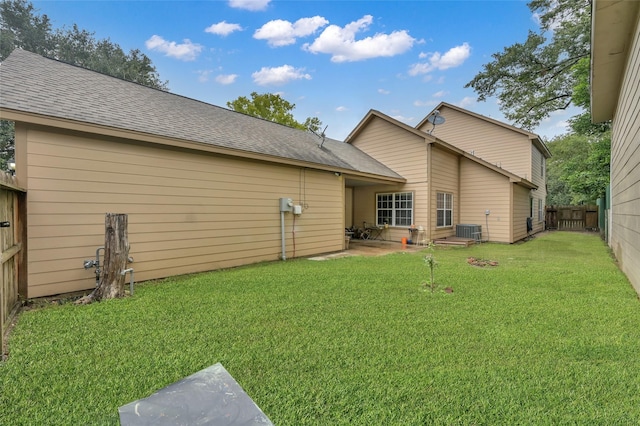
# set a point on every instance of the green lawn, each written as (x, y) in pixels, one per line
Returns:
(550, 336)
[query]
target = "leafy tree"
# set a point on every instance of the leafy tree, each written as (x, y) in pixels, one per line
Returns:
(7, 132)
(79, 47)
(21, 27)
(272, 107)
(581, 123)
(545, 73)
(550, 71)
(578, 171)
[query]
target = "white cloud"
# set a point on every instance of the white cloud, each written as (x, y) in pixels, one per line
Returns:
(252, 5)
(341, 108)
(341, 43)
(187, 51)
(559, 19)
(420, 103)
(226, 78)
(562, 125)
(454, 57)
(559, 112)
(279, 75)
(383, 91)
(404, 119)
(467, 101)
(440, 94)
(203, 76)
(223, 28)
(283, 33)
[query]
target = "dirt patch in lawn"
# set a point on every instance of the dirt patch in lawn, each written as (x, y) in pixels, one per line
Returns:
(481, 263)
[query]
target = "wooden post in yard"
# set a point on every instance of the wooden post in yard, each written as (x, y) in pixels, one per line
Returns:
(116, 254)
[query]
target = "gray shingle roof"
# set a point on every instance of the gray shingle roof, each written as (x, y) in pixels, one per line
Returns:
(34, 84)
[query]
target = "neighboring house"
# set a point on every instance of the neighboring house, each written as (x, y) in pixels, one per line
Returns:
(445, 185)
(615, 78)
(201, 184)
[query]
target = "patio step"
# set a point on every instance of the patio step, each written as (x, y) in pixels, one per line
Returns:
(454, 241)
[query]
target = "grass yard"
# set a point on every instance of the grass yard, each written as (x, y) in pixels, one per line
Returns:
(550, 336)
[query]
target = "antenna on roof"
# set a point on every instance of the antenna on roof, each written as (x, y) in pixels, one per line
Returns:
(435, 118)
(321, 135)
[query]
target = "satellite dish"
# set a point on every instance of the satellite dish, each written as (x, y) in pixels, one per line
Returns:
(436, 119)
(321, 135)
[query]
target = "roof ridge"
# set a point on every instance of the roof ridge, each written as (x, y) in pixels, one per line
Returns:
(33, 86)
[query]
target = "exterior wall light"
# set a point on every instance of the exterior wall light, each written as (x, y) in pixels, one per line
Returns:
(12, 166)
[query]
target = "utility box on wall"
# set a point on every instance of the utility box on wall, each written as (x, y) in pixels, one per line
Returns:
(286, 204)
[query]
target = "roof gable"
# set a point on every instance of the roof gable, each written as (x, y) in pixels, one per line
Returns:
(372, 115)
(32, 84)
(439, 143)
(535, 139)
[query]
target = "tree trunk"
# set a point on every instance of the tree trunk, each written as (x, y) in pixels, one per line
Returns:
(116, 254)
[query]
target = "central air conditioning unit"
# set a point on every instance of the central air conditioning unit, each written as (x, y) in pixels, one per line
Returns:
(472, 232)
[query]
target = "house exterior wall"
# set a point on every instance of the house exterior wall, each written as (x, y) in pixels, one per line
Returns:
(429, 169)
(365, 207)
(480, 190)
(520, 197)
(404, 153)
(625, 168)
(538, 177)
(187, 211)
(348, 207)
(445, 178)
(493, 143)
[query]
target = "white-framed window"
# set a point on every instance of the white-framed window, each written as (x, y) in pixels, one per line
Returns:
(394, 209)
(540, 211)
(531, 208)
(444, 211)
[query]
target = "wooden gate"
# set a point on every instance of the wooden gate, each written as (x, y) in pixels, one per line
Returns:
(572, 218)
(12, 235)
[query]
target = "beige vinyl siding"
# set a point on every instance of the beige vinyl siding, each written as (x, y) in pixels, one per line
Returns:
(482, 189)
(490, 142)
(444, 179)
(539, 179)
(401, 151)
(538, 219)
(625, 169)
(520, 201)
(348, 207)
(187, 211)
(365, 207)
(538, 175)
(406, 154)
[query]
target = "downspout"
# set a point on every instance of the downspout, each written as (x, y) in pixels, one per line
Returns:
(284, 249)
(459, 200)
(429, 185)
(131, 280)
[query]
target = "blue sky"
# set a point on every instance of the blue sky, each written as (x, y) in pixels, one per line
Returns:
(333, 59)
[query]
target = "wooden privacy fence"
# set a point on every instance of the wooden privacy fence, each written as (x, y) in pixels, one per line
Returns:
(572, 218)
(12, 232)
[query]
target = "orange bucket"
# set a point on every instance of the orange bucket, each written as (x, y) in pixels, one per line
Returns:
(404, 240)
